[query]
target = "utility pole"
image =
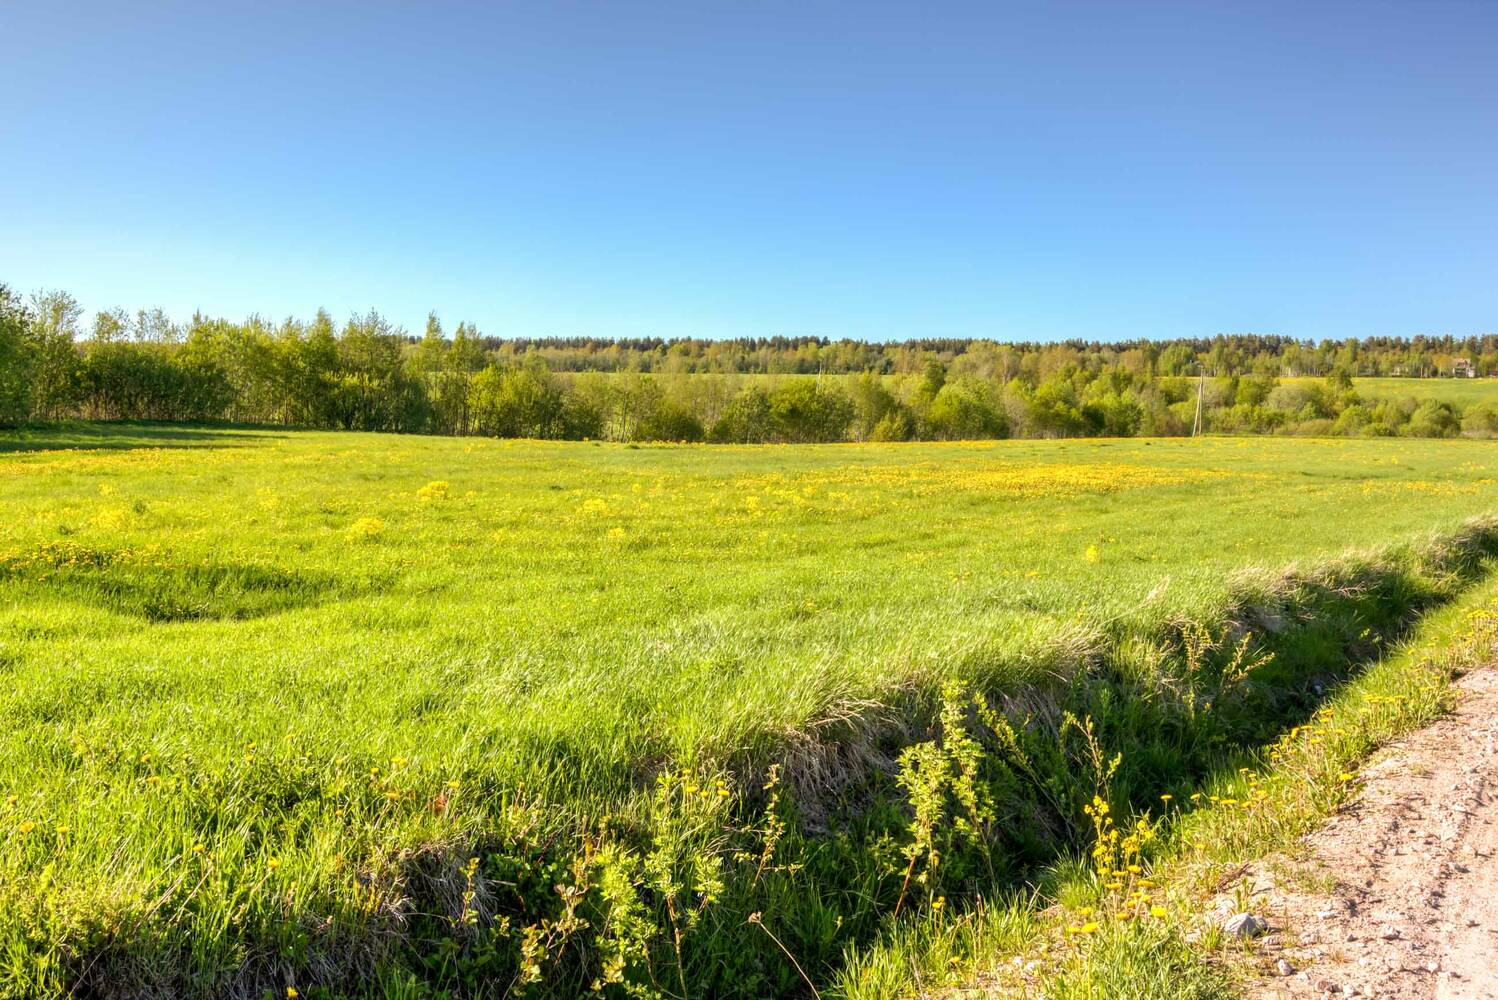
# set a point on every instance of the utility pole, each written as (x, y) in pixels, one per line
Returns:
(1201, 388)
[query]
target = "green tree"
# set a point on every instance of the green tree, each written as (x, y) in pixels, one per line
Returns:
(1055, 410)
(801, 410)
(154, 326)
(965, 409)
(431, 353)
(373, 390)
(873, 404)
(16, 359)
(466, 353)
(746, 419)
(524, 401)
(933, 377)
(110, 326)
(56, 370)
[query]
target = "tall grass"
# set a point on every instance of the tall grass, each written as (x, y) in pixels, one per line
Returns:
(1255, 804)
(582, 665)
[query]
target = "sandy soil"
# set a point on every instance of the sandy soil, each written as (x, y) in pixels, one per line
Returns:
(1397, 895)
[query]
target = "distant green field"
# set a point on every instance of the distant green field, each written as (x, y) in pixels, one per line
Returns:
(254, 678)
(1459, 391)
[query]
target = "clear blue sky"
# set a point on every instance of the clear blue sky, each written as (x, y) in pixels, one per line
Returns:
(1019, 171)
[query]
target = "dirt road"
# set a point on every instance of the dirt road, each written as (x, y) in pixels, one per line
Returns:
(1397, 895)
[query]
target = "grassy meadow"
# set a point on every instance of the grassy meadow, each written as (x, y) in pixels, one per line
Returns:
(1462, 392)
(269, 691)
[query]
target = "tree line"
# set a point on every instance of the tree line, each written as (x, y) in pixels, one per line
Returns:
(367, 374)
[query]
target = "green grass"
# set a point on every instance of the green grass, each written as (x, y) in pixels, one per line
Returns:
(1462, 392)
(1257, 805)
(276, 696)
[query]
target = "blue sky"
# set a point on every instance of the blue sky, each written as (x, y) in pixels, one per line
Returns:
(1018, 171)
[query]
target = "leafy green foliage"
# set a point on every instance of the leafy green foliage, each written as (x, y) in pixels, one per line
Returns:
(371, 375)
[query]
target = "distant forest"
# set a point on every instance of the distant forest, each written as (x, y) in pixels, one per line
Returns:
(367, 374)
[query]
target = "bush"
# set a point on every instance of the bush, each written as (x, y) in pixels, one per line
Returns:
(1481, 421)
(896, 425)
(1434, 419)
(151, 382)
(1115, 414)
(1352, 420)
(1315, 427)
(964, 410)
(671, 422)
(872, 401)
(1247, 418)
(1255, 389)
(1054, 410)
(521, 402)
(745, 420)
(803, 411)
(1303, 402)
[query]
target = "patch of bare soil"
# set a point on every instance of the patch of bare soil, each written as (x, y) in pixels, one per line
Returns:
(1397, 895)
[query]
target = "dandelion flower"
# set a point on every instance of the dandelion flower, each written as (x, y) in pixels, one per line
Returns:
(366, 529)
